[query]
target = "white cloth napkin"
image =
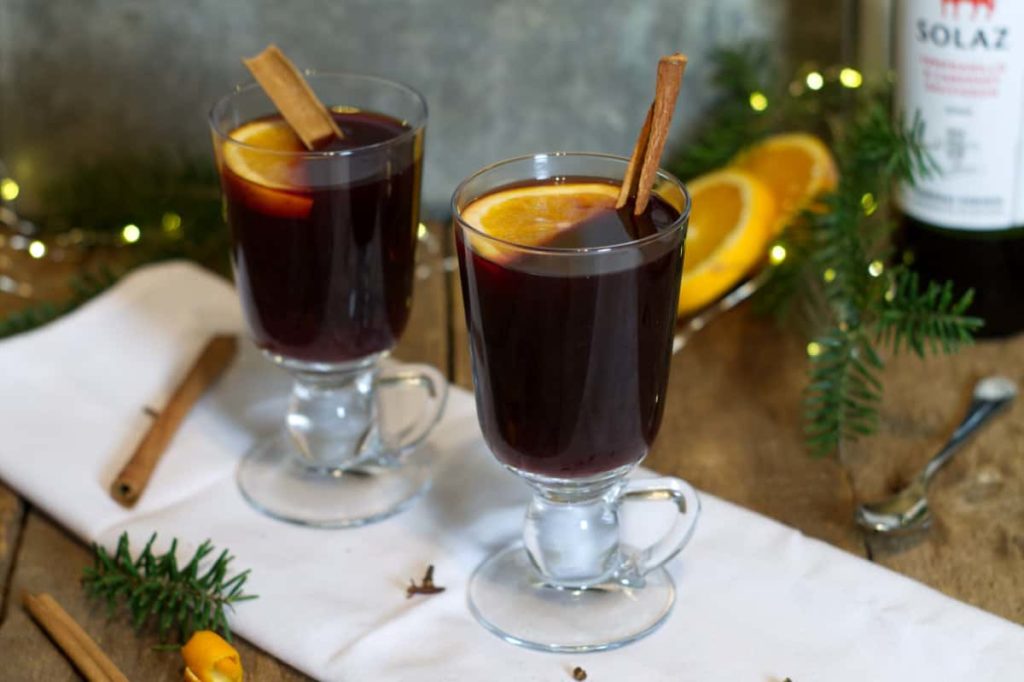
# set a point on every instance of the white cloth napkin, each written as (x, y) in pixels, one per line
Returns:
(757, 600)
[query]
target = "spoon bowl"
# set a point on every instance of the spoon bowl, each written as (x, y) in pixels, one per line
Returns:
(907, 510)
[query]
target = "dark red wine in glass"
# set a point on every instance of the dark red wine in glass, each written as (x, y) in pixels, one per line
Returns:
(571, 351)
(323, 248)
(570, 307)
(323, 244)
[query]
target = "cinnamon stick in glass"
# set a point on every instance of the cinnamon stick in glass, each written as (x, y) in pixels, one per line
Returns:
(207, 368)
(70, 638)
(646, 158)
(293, 97)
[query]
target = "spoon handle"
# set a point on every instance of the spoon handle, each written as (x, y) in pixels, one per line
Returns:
(980, 411)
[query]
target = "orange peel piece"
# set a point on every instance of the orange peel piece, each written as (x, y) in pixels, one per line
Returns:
(208, 658)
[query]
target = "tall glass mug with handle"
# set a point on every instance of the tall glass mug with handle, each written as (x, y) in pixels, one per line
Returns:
(323, 250)
(570, 306)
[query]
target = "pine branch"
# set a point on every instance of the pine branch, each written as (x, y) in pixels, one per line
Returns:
(842, 398)
(879, 150)
(844, 392)
(155, 590)
(738, 71)
(833, 279)
(83, 288)
(716, 145)
(105, 194)
(845, 389)
(931, 320)
(174, 202)
(785, 295)
(841, 255)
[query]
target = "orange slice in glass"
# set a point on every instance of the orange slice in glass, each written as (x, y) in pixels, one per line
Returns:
(532, 215)
(270, 173)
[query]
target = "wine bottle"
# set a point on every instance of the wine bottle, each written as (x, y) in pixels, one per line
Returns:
(960, 65)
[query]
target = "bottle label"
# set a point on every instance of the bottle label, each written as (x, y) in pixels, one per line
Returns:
(960, 63)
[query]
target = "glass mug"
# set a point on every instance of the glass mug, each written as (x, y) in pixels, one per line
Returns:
(570, 350)
(323, 251)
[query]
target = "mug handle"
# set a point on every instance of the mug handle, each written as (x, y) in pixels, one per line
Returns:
(434, 386)
(663, 489)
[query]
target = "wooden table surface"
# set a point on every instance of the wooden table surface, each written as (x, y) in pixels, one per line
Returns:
(731, 427)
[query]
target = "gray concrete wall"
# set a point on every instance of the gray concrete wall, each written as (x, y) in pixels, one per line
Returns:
(79, 78)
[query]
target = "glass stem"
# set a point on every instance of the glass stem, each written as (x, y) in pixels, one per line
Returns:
(331, 414)
(572, 531)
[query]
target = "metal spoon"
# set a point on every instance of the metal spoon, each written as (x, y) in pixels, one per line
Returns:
(908, 509)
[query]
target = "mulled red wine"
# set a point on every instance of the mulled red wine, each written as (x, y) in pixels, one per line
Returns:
(570, 350)
(324, 244)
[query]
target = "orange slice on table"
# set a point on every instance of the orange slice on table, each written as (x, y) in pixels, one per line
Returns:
(796, 167)
(269, 177)
(532, 215)
(731, 222)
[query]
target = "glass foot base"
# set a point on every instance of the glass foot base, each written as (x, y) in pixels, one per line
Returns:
(273, 481)
(507, 595)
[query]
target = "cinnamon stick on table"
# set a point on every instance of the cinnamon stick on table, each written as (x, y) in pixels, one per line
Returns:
(293, 97)
(643, 164)
(211, 363)
(69, 636)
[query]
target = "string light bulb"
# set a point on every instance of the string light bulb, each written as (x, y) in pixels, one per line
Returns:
(758, 101)
(130, 233)
(869, 203)
(9, 189)
(777, 254)
(37, 249)
(170, 222)
(850, 77)
(814, 80)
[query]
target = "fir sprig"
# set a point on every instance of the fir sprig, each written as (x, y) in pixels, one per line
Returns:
(155, 590)
(83, 287)
(102, 195)
(836, 280)
(927, 321)
(870, 305)
(174, 202)
(844, 392)
(877, 150)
